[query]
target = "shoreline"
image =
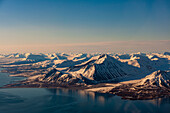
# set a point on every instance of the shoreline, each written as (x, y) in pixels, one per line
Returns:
(117, 89)
(124, 89)
(155, 84)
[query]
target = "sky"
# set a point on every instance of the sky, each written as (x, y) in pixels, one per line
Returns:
(84, 25)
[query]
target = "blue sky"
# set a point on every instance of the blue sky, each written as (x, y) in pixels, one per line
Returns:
(52, 22)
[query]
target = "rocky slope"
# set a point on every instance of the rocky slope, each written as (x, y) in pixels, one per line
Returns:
(91, 70)
(155, 85)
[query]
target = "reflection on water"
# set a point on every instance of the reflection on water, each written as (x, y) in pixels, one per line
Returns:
(38, 100)
(97, 97)
(160, 101)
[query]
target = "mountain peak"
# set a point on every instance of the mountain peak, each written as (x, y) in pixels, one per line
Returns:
(158, 78)
(104, 58)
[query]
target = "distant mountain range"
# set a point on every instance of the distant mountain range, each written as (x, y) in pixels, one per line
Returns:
(91, 68)
(142, 74)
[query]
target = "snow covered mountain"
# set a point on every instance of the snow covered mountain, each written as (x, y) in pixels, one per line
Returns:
(103, 68)
(135, 76)
(166, 53)
(154, 85)
(91, 68)
(158, 78)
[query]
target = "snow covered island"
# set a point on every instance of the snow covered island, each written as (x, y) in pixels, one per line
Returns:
(131, 76)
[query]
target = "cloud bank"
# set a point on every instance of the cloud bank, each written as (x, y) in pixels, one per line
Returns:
(101, 47)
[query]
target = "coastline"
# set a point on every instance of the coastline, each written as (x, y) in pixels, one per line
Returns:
(87, 75)
(119, 89)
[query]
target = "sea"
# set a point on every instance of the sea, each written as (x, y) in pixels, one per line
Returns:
(62, 100)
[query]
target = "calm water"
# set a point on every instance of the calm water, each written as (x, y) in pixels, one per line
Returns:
(40, 100)
(5, 79)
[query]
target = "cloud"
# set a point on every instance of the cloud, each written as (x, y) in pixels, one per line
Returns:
(102, 47)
